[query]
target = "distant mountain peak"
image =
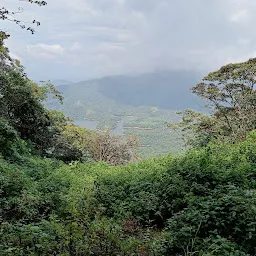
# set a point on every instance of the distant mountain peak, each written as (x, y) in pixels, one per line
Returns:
(164, 89)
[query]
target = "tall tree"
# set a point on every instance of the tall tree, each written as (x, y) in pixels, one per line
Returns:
(231, 94)
(21, 103)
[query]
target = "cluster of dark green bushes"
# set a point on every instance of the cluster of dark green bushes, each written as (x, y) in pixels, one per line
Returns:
(202, 203)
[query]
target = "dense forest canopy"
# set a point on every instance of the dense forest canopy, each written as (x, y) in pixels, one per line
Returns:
(66, 190)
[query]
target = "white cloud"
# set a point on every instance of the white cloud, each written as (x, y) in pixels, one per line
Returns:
(239, 16)
(45, 51)
(76, 47)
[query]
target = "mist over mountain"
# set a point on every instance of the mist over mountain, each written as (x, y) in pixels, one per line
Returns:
(165, 89)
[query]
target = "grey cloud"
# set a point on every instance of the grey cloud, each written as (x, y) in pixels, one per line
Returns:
(100, 37)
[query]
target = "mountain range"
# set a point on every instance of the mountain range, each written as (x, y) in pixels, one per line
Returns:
(165, 89)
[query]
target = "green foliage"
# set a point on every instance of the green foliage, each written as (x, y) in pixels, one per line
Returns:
(232, 97)
(26, 126)
(8, 137)
(23, 116)
(23, 110)
(201, 203)
(207, 193)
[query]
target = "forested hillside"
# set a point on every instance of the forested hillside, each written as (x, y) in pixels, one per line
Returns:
(69, 191)
(143, 104)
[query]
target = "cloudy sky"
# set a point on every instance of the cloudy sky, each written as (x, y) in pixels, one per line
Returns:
(82, 39)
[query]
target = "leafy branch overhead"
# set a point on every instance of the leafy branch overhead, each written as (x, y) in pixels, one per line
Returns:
(13, 16)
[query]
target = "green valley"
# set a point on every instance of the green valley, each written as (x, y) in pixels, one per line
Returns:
(143, 104)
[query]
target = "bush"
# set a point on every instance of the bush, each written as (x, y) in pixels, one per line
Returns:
(201, 203)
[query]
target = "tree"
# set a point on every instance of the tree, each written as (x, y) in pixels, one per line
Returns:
(232, 97)
(8, 15)
(21, 103)
(113, 150)
(72, 142)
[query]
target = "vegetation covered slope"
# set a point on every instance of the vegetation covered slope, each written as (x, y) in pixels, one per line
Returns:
(202, 203)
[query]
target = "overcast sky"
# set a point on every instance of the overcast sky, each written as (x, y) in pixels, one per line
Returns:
(82, 39)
